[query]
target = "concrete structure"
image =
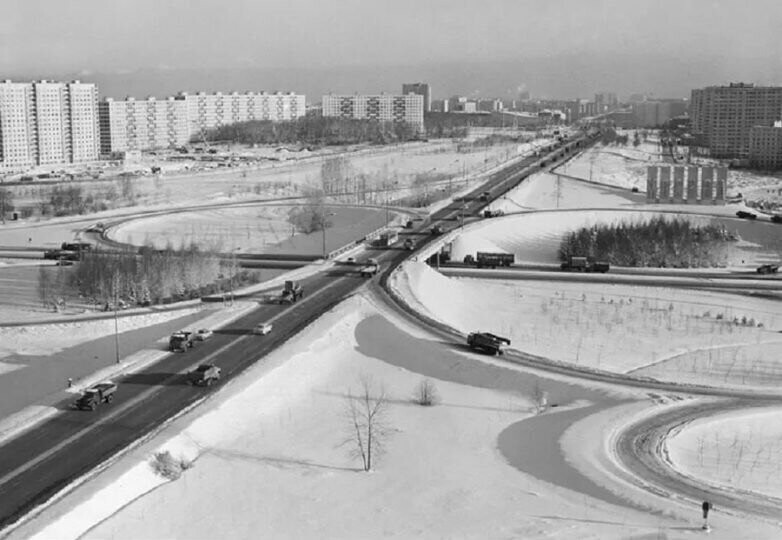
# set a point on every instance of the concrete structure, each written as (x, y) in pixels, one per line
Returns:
(422, 89)
(724, 116)
(657, 113)
(765, 146)
(686, 184)
(408, 108)
(47, 123)
(145, 124)
(129, 125)
(606, 102)
(208, 111)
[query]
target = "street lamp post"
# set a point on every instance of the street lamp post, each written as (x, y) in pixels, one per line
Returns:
(116, 323)
(323, 225)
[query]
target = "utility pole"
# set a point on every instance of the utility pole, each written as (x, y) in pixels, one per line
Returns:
(115, 283)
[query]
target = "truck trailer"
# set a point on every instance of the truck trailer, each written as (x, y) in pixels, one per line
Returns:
(487, 342)
(493, 260)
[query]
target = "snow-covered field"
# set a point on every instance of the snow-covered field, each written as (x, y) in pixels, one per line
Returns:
(536, 237)
(736, 451)
(618, 166)
(716, 337)
(46, 339)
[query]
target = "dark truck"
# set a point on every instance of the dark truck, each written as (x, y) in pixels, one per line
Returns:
(493, 260)
(768, 269)
(95, 395)
(492, 213)
(386, 239)
(181, 341)
(487, 342)
(291, 292)
(585, 264)
(204, 375)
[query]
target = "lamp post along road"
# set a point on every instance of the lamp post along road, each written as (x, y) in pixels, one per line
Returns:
(115, 283)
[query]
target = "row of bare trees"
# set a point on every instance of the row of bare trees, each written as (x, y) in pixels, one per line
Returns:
(149, 277)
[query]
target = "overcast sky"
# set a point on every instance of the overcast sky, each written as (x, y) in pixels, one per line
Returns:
(39, 36)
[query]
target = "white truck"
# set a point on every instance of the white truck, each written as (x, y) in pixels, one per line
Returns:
(370, 269)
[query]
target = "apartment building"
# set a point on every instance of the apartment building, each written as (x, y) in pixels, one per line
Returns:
(408, 108)
(765, 146)
(130, 124)
(47, 123)
(725, 115)
(422, 89)
(658, 112)
(208, 111)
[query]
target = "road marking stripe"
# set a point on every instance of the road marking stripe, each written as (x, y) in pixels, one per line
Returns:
(139, 398)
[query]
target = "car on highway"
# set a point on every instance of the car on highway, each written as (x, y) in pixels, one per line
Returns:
(262, 329)
(768, 269)
(350, 260)
(202, 334)
(776, 218)
(746, 215)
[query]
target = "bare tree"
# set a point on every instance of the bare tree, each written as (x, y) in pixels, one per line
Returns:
(367, 416)
(426, 394)
(312, 215)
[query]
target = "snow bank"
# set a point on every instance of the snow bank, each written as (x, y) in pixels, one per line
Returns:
(46, 339)
(662, 329)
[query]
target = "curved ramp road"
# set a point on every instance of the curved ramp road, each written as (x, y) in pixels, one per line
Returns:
(39, 463)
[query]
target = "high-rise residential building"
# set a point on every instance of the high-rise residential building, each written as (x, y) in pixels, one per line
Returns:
(145, 124)
(724, 116)
(765, 146)
(130, 124)
(606, 102)
(422, 89)
(656, 113)
(408, 108)
(207, 111)
(47, 123)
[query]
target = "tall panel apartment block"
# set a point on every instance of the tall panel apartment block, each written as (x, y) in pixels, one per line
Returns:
(692, 185)
(665, 184)
(47, 123)
(652, 195)
(678, 184)
(408, 108)
(707, 176)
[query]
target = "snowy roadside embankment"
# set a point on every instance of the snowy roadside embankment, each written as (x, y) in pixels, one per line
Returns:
(661, 329)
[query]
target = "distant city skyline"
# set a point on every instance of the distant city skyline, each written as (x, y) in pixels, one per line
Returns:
(554, 48)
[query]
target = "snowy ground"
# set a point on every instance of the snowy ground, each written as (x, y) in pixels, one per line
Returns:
(45, 339)
(736, 451)
(668, 334)
(618, 166)
(269, 462)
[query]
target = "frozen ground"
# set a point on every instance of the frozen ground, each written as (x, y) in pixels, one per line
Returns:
(269, 463)
(46, 339)
(673, 335)
(618, 166)
(740, 451)
(536, 237)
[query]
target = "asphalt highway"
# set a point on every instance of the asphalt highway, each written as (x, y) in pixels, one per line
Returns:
(42, 461)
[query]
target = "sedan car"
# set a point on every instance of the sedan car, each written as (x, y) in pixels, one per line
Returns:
(776, 218)
(768, 269)
(350, 260)
(203, 334)
(262, 329)
(746, 215)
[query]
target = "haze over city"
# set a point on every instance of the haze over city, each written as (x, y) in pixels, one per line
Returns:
(555, 49)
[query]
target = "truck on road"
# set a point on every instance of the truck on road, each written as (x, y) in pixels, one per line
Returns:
(291, 292)
(370, 269)
(493, 260)
(180, 341)
(585, 264)
(492, 213)
(204, 375)
(409, 244)
(386, 239)
(487, 342)
(95, 395)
